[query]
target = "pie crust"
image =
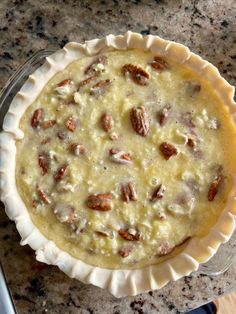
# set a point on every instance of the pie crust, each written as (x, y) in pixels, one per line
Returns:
(119, 282)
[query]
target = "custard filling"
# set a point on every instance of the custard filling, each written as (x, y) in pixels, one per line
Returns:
(125, 156)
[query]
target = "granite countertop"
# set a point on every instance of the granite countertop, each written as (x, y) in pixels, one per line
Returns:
(206, 27)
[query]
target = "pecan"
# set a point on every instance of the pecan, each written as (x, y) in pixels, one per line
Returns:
(78, 149)
(87, 81)
(48, 124)
(37, 117)
(158, 193)
(100, 88)
(43, 196)
(129, 192)
(61, 172)
(64, 82)
(71, 124)
(164, 249)
(191, 142)
(159, 64)
(101, 202)
(140, 120)
(168, 150)
(34, 203)
(120, 156)
(128, 236)
(137, 74)
(124, 252)
(43, 161)
(93, 67)
(107, 122)
(214, 187)
(46, 141)
(163, 114)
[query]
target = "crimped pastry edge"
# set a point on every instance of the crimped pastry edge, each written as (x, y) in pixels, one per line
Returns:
(119, 282)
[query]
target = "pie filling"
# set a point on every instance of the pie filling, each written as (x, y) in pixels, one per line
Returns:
(125, 156)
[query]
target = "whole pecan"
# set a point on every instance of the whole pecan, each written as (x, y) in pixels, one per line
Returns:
(37, 118)
(71, 124)
(137, 74)
(159, 64)
(61, 172)
(163, 114)
(128, 236)
(158, 193)
(168, 150)
(129, 192)
(43, 161)
(107, 122)
(214, 187)
(100, 202)
(140, 120)
(100, 87)
(93, 69)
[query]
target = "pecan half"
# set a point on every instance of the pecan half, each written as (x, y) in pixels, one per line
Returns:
(71, 124)
(137, 74)
(93, 67)
(43, 161)
(128, 236)
(48, 124)
(78, 149)
(163, 114)
(100, 202)
(214, 187)
(140, 120)
(43, 196)
(120, 156)
(168, 150)
(129, 192)
(64, 83)
(107, 122)
(126, 251)
(61, 172)
(159, 64)
(37, 117)
(158, 193)
(100, 88)
(87, 81)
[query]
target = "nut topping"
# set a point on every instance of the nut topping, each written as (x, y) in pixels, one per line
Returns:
(100, 88)
(128, 236)
(43, 161)
(100, 202)
(168, 150)
(163, 114)
(96, 66)
(64, 83)
(158, 193)
(120, 156)
(37, 117)
(87, 81)
(191, 142)
(126, 251)
(214, 187)
(48, 124)
(107, 122)
(137, 74)
(140, 120)
(43, 196)
(159, 64)
(71, 124)
(129, 192)
(61, 172)
(78, 149)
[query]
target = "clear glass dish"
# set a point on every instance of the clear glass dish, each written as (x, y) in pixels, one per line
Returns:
(224, 257)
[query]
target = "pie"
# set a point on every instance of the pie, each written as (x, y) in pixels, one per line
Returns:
(124, 161)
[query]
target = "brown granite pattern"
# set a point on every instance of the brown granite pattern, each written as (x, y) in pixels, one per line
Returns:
(207, 27)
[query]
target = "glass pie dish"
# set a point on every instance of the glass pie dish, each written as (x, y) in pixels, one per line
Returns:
(219, 263)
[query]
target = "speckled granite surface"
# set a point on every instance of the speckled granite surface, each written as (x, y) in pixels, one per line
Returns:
(207, 27)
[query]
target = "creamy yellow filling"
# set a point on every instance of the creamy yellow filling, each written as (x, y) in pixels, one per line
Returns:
(183, 211)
